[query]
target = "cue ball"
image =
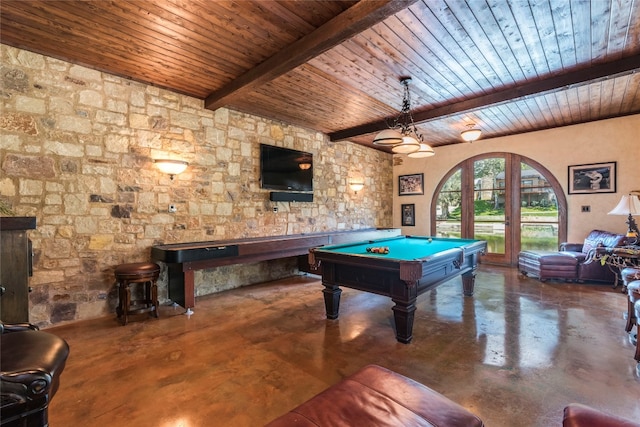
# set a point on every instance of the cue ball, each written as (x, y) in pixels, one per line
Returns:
(429, 240)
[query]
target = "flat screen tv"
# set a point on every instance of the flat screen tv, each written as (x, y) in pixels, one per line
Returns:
(285, 169)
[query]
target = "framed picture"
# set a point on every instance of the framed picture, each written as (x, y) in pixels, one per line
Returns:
(592, 178)
(409, 185)
(408, 215)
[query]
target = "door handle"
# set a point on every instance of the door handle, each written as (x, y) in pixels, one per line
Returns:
(2, 290)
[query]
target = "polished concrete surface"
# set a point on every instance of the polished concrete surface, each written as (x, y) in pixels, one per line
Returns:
(514, 354)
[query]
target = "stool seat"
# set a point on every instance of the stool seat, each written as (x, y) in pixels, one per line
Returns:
(144, 273)
(137, 269)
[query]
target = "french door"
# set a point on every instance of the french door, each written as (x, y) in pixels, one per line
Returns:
(510, 201)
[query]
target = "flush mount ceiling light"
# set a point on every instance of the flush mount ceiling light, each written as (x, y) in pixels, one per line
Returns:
(402, 136)
(171, 167)
(470, 134)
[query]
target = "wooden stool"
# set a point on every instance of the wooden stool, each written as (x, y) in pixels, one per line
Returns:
(145, 273)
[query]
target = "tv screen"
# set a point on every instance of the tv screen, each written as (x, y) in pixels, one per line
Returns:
(285, 169)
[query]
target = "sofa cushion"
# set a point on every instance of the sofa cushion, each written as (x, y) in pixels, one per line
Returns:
(602, 238)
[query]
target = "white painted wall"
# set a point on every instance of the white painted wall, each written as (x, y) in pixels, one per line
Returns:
(595, 142)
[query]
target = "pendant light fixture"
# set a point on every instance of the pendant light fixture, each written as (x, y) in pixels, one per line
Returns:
(403, 136)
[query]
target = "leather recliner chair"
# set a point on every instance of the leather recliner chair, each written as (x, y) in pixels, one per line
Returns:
(31, 362)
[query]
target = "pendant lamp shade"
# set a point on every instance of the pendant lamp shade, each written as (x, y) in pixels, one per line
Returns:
(388, 138)
(424, 151)
(408, 145)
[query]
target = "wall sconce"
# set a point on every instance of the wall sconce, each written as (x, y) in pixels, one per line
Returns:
(356, 186)
(171, 167)
(470, 134)
(304, 166)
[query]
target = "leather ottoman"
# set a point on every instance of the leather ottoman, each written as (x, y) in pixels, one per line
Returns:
(377, 396)
(547, 265)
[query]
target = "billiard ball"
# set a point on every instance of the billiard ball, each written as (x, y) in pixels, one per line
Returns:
(429, 240)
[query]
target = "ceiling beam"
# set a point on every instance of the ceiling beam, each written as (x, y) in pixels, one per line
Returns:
(551, 84)
(352, 21)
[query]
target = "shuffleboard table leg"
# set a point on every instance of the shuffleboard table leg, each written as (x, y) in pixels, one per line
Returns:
(331, 300)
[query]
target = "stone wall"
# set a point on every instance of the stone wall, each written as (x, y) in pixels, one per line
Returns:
(77, 153)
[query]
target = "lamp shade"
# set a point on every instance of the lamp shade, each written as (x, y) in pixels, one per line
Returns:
(408, 145)
(388, 137)
(628, 205)
(424, 151)
(171, 167)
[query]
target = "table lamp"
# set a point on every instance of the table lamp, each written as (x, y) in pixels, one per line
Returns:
(629, 205)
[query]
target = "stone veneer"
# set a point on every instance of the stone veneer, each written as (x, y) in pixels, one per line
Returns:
(76, 152)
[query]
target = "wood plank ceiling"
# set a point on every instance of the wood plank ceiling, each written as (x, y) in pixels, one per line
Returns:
(334, 66)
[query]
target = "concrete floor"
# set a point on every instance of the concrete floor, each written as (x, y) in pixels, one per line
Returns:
(514, 354)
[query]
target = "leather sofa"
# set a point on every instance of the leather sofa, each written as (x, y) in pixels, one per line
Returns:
(31, 362)
(570, 263)
(593, 271)
(376, 396)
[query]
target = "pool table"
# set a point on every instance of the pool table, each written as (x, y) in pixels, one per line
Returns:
(412, 266)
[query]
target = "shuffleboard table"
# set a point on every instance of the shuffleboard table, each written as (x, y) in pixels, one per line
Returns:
(412, 266)
(183, 259)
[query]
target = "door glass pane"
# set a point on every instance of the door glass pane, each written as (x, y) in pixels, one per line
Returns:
(489, 203)
(539, 220)
(448, 207)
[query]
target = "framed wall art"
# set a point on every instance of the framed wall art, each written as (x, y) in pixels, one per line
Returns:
(408, 215)
(410, 185)
(592, 178)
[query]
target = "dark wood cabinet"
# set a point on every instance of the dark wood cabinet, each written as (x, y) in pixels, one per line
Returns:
(15, 268)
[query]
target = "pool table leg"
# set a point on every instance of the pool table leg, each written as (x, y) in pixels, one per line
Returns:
(404, 295)
(331, 300)
(468, 282)
(403, 314)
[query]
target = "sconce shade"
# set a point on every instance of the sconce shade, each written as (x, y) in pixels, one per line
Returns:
(171, 167)
(408, 145)
(356, 186)
(387, 138)
(628, 205)
(424, 151)
(470, 135)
